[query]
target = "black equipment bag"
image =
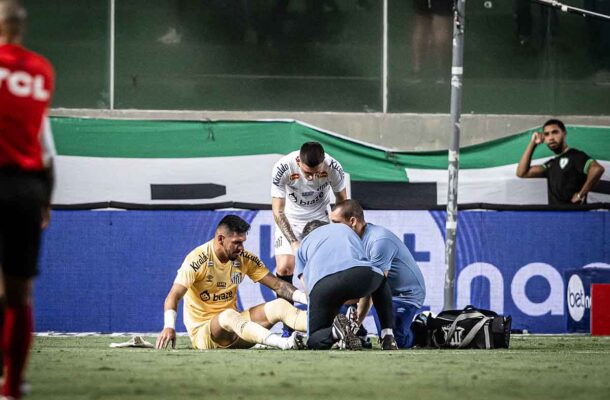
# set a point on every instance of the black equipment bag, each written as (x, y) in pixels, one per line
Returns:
(470, 328)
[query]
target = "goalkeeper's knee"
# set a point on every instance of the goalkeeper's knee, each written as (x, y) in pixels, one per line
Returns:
(281, 310)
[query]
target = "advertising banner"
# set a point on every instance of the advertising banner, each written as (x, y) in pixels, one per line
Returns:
(109, 271)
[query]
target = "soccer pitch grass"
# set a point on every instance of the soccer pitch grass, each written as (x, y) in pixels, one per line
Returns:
(536, 367)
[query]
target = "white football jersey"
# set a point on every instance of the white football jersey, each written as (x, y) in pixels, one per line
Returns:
(305, 200)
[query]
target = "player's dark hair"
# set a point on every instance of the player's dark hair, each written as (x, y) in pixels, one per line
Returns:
(349, 208)
(554, 121)
(12, 17)
(234, 224)
(311, 154)
(312, 225)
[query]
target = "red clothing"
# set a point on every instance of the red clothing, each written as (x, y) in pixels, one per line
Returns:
(26, 85)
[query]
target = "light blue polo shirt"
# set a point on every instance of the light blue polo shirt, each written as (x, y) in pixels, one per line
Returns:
(387, 252)
(329, 249)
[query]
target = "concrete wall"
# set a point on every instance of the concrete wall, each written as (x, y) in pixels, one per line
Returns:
(409, 132)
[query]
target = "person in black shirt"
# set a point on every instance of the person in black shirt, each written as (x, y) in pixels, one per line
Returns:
(570, 175)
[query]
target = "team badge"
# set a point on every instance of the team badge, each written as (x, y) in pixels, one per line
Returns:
(236, 278)
(563, 162)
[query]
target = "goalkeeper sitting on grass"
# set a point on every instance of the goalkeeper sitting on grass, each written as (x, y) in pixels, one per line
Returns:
(208, 280)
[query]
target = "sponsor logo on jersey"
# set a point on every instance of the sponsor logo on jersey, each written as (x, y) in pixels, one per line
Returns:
(205, 295)
(278, 242)
(249, 256)
(221, 284)
(316, 200)
(307, 194)
(22, 84)
(337, 167)
(563, 162)
(323, 186)
(199, 262)
(236, 278)
(295, 177)
(293, 197)
(228, 296)
(281, 169)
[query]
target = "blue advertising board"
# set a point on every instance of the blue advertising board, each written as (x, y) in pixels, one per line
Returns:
(109, 271)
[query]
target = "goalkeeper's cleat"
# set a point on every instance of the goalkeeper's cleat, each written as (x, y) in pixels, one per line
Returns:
(342, 329)
(297, 341)
(389, 343)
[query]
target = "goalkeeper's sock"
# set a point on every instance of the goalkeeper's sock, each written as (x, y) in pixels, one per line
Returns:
(281, 310)
(16, 340)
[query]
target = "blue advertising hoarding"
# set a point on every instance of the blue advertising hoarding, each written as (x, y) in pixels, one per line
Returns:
(109, 271)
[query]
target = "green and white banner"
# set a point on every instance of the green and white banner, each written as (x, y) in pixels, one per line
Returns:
(165, 163)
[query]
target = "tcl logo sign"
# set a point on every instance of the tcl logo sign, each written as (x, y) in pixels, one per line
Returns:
(22, 84)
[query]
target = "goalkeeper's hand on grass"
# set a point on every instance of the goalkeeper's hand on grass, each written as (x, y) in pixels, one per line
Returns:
(166, 336)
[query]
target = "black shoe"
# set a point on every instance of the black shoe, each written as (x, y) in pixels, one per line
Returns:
(343, 330)
(388, 343)
(299, 342)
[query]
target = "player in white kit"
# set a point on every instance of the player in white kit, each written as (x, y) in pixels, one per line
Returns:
(300, 192)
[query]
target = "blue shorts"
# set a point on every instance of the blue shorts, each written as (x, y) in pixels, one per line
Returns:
(403, 317)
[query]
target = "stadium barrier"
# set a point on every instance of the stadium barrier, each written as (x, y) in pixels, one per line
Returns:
(109, 271)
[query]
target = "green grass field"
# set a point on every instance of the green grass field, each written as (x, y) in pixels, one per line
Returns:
(536, 367)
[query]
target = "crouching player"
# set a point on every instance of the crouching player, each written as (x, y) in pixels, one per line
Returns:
(208, 280)
(388, 253)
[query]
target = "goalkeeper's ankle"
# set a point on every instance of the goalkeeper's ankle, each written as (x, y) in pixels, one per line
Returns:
(277, 341)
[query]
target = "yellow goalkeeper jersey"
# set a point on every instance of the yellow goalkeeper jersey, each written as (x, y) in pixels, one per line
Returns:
(212, 285)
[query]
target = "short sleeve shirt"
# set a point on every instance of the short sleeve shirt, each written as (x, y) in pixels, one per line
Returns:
(212, 285)
(388, 253)
(26, 85)
(566, 174)
(329, 249)
(305, 200)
